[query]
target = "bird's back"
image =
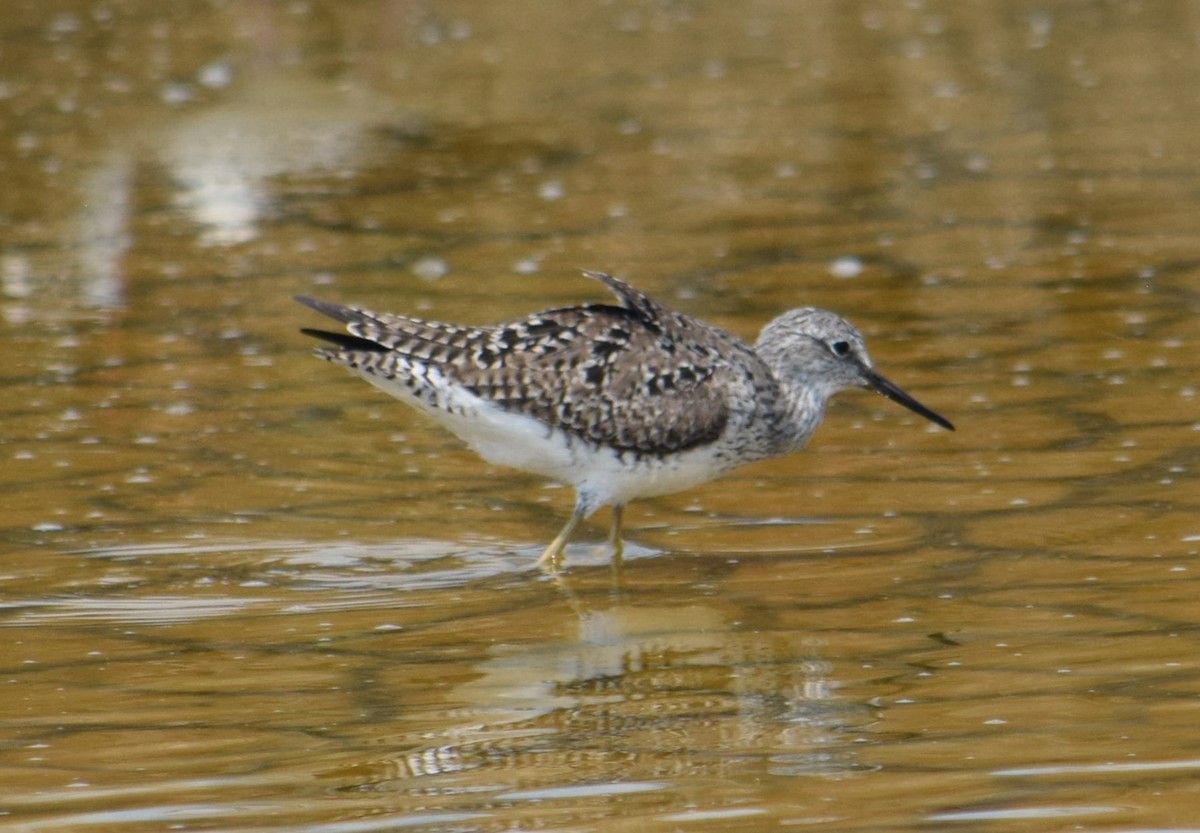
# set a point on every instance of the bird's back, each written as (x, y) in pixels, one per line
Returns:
(637, 378)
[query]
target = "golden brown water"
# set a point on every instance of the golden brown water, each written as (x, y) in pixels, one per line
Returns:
(244, 591)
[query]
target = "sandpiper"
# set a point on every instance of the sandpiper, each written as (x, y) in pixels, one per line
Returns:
(620, 402)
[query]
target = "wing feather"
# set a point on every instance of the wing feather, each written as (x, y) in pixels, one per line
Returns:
(638, 377)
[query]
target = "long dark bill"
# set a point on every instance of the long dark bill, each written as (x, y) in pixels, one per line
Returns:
(894, 393)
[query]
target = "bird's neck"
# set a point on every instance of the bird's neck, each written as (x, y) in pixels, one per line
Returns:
(804, 409)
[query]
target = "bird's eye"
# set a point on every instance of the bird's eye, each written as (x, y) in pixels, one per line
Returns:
(840, 348)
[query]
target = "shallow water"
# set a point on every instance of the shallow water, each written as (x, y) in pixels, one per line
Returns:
(244, 591)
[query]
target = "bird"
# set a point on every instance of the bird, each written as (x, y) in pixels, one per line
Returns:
(619, 401)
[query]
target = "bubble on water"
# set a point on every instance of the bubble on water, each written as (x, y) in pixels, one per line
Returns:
(176, 93)
(430, 268)
(552, 190)
(846, 266)
(215, 76)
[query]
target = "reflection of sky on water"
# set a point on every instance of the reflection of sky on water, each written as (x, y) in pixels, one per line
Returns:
(102, 226)
(221, 157)
(218, 160)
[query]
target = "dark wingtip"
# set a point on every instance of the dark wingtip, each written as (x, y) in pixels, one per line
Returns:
(632, 298)
(336, 311)
(616, 285)
(345, 341)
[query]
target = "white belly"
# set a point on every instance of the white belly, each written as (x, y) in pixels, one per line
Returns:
(601, 476)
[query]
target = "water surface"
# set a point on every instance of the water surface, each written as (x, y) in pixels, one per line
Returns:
(244, 591)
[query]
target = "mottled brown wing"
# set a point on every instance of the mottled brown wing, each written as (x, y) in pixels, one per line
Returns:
(638, 377)
(596, 373)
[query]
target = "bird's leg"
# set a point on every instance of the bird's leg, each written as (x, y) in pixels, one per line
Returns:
(616, 548)
(553, 556)
(614, 534)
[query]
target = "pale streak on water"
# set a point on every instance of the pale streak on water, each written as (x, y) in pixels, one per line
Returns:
(244, 591)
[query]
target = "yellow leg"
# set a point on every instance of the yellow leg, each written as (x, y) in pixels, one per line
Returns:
(614, 534)
(553, 555)
(615, 547)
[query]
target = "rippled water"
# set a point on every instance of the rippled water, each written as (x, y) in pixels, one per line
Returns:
(244, 591)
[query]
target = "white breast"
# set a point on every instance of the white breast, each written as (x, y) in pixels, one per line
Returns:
(601, 475)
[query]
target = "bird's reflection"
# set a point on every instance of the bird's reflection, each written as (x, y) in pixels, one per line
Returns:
(630, 689)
